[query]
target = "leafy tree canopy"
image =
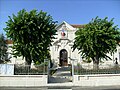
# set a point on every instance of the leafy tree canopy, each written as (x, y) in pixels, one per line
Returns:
(3, 50)
(97, 38)
(32, 33)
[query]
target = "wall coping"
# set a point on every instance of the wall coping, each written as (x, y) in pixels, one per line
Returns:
(22, 75)
(98, 75)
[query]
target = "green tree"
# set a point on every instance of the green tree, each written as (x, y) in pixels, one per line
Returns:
(96, 39)
(3, 50)
(32, 33)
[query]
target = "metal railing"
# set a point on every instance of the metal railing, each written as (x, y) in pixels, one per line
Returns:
(28, 70)
(102, 69)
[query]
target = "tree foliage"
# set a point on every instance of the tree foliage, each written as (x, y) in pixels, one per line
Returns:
(3, 50)
(97, 38)
(32, 33)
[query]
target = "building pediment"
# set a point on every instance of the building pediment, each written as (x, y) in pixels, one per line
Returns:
(64, 25)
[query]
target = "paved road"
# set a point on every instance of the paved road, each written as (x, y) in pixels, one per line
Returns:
(65, 88)
(97, 88)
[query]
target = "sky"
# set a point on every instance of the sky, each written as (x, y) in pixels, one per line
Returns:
(71, 11)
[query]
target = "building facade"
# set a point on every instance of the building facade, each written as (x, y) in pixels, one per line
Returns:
(61, 50)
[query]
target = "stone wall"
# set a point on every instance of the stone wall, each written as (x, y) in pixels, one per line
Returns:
(23, 80)
(96, 80)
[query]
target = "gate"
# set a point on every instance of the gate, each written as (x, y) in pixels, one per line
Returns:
(6, 69)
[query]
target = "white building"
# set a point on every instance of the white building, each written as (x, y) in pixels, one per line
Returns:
(61, 49)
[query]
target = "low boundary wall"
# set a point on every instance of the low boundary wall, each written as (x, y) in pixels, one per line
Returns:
(42, 80)
(96, 80)
(23, 80)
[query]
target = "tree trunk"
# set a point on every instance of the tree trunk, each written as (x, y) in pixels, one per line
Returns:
(96, 62)
(28, 63)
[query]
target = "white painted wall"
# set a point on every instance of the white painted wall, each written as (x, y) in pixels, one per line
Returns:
(23, 80)
(13, 60)
(96, 80)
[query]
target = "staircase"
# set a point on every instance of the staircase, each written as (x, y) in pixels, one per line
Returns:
(62, 75)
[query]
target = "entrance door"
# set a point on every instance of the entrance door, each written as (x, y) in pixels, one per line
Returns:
(63, 57)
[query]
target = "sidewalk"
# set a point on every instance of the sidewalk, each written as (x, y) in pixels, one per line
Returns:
(62, 88)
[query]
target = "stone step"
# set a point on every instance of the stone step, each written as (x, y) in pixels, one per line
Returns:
(63, 73)
(59, 89)
(65, 84)
(59, 79)
(63, 77)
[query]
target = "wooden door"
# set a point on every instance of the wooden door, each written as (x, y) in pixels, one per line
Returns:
(63, 57)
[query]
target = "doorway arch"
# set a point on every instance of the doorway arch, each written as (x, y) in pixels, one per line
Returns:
(63, 57)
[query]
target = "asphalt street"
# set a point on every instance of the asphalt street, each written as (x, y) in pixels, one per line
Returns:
(62, 88)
